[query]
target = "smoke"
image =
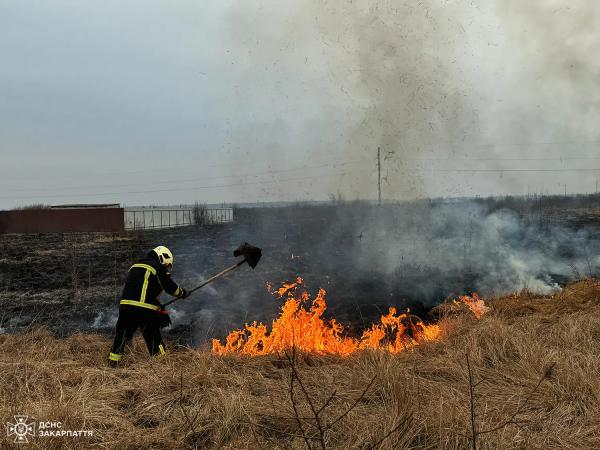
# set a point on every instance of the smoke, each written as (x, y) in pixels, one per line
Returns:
(556, 96)
(435, 84)
(401, 63)
(368, 257)
(428, 83)
(105, 320)
(463, 246)
(275, 85)
(348, 77)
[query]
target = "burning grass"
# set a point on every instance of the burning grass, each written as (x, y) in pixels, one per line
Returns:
(418, 399)
(303, 327)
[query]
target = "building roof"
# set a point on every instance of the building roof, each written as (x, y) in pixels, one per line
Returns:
(86, 205)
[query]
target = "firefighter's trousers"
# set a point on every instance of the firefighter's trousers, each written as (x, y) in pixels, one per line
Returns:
(132, 318)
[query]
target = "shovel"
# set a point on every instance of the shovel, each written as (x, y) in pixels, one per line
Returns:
(251, 256)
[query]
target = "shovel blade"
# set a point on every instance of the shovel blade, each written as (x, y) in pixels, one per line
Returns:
(250, 253)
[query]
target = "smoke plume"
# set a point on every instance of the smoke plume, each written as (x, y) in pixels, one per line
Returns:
(437, 85)
(370, 257)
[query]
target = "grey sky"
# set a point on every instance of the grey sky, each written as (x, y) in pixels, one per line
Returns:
(240, 101)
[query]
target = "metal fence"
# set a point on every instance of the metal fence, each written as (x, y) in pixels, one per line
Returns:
(158, 218)
(215, 216)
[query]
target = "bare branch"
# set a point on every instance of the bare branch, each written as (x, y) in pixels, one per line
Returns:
(474, 433)
(326, 404)
(296, 376)
(511, 420)
(252, 425)
(285, 433)
(483, 379)
(310, 404)
(392, 431)
(360, 397)
(277, 416)
(293, 400)
(255, 436)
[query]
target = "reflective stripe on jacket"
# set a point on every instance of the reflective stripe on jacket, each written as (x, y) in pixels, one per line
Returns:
(145, 282)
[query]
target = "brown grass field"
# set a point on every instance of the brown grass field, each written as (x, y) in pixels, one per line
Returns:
(535, 378)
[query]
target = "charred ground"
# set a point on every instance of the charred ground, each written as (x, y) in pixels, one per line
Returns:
(367, 258)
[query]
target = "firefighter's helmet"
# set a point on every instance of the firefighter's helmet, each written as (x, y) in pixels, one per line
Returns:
(165, 257)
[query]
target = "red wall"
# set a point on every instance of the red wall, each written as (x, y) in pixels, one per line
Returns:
(61, 220)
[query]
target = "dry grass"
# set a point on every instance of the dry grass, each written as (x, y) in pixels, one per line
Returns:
(192, 399)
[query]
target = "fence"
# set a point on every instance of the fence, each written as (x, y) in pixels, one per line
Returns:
(215, 216)
(158, 218)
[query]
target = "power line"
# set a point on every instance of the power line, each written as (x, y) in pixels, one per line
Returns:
(520, 144)
(162, 169)
(236, 164)
(188, 180)
(508, 170)
(151, 191)
(558, 158)
(129, 172)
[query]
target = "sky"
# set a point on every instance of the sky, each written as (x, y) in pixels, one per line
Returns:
(158, 102)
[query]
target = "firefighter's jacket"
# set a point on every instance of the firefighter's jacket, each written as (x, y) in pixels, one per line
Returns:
(145, 282)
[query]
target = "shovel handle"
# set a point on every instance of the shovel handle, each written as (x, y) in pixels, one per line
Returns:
(219, 275)
(210, 280)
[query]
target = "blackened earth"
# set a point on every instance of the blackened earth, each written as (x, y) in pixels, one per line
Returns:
(72, 282)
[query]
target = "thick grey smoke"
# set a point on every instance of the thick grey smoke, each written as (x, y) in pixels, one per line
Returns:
(216, 94)
(438, 85)
(428, 82)
(539, 97)
(369, 257)
(359, 75)
(465, 246)
(400, 64)
(556, 96)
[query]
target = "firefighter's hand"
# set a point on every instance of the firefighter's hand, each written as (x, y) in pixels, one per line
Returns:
(182, 293)
(164, 320)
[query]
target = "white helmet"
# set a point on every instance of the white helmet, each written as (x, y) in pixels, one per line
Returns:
(165, 257)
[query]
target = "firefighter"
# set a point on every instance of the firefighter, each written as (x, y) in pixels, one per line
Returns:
(139, 307)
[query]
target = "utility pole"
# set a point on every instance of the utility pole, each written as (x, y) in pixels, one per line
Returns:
(379, 173)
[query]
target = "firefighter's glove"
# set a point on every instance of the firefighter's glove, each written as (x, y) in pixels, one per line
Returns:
(182, 293)
(164, 320)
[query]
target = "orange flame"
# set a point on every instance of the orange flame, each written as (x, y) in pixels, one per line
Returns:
(305, 328)
(285, 289)
(475, 304)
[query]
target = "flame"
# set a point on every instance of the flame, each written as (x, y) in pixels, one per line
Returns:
(285, 289)
(301, 324)
(475, 304)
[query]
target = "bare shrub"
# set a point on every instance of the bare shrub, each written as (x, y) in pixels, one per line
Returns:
(32, 206)
(200, 214)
